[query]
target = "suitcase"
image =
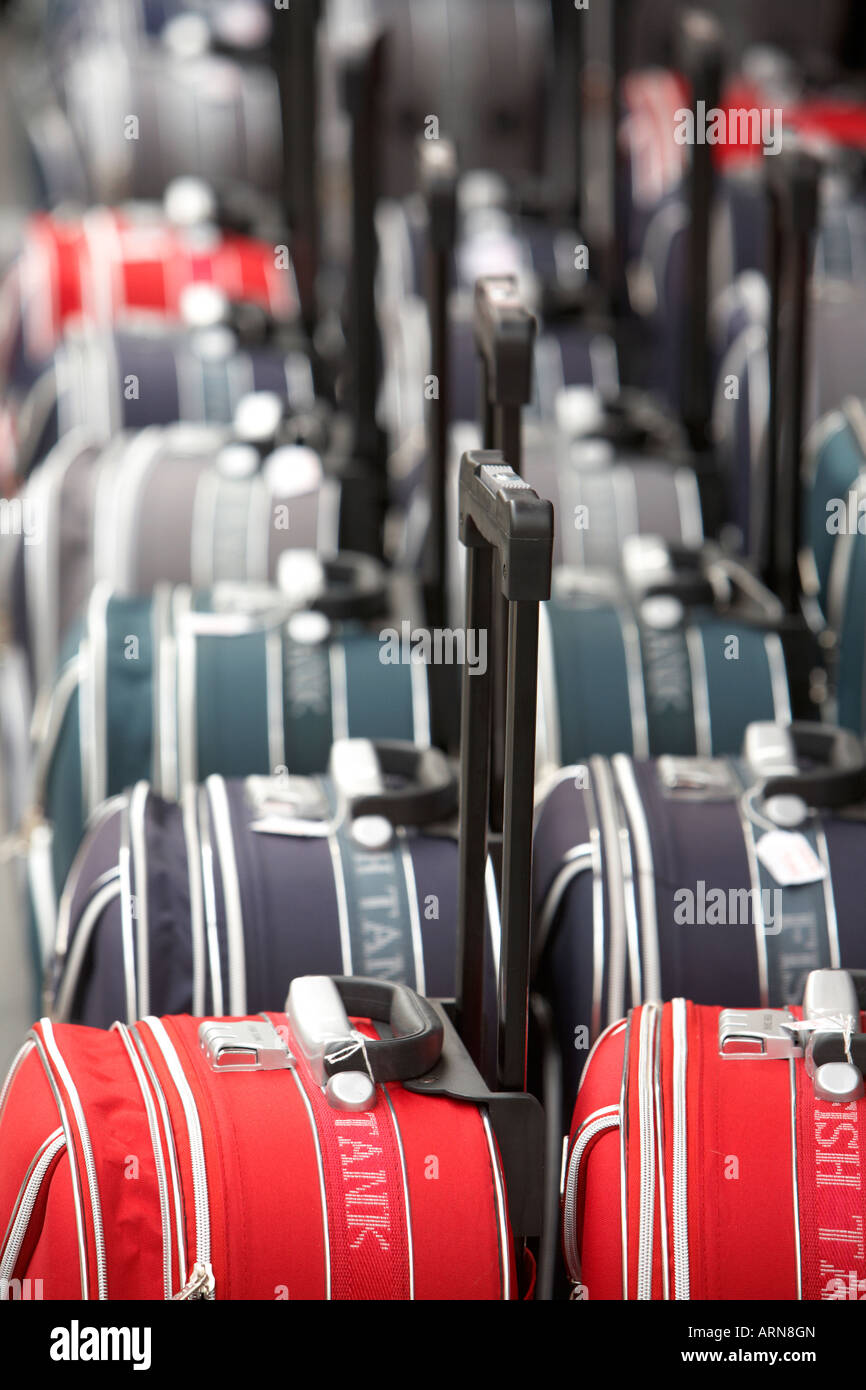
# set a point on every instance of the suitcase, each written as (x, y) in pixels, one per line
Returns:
(371, 848)
(716, 878)
(109, 263)
(197, 112)
(673, 640)
(244, 679)
(186, 504)
(154, 373)
(700, 1132)
(208, 1105)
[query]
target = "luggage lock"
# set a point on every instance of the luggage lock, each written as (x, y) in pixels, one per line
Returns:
(244, 1045)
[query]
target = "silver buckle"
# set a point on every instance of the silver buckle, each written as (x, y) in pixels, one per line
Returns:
(759, 1033)
(243, 1045)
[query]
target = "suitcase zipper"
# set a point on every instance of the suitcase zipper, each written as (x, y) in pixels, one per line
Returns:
(594, 1125)
(679, 1194)
(158, 1155)
(27, 1199)
(646, 1122)
(53, 1055)
(201, 1282)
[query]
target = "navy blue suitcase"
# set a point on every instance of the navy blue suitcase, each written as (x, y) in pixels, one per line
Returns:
(205, 906)
(710, 879)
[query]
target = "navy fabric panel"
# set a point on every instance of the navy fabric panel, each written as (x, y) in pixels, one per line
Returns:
(434, 864)
(291, 921)
(694, 843)
(379, 695)
(154, 362)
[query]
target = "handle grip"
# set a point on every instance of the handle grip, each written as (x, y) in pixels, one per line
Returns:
(840, 781)
(319, 1007)
(429, 794)
(505, 338)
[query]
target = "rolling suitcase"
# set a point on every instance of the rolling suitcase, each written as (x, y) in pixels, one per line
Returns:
(700, 1132)
(373, 845)
(717, 878)
(154, 373)
(113, 262)
(195, 112)
(673, 641)
(182, 504)
(244, 679)
(356, 1109)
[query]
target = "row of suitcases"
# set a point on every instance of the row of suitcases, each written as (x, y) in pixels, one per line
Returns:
(235, 790)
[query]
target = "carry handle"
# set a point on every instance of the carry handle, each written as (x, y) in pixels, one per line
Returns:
(437, 178)
(840, 781)
(700, 46)
(508, 531)
(505, 334)
(793, 183)
(344, 588)
(319, 1008)
(428, 794)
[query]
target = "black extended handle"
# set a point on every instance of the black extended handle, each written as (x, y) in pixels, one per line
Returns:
(362, 81)
(796, 175)
(429, 792)
(505, 333)
(417, 1029)
(508, 531)
(839, 781)
(293, 49)
(700, 49)
(437, 178)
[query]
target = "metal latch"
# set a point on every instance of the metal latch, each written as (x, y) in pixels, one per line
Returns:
(759, 1033)
(244, 1045)
(830, 1008)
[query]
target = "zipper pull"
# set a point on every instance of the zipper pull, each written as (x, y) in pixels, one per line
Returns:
(201, 1284)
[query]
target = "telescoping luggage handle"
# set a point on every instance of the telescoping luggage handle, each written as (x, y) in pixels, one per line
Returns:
(437, 178)
(828, 1035)
(508, 531)
(505, 333)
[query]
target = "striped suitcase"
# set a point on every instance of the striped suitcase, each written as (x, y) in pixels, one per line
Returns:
(196, 113)
(702, 1133)
(207, 1105)
(692, 876)
(114, 262)
(154, 373)
(370, 849)
(240, 681)
(178, 503)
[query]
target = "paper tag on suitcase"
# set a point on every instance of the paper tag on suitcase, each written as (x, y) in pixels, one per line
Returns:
(790, 858)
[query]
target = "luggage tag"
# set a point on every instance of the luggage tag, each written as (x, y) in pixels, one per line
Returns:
(789, 857)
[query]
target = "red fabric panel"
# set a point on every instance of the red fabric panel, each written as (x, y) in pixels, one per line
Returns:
(831, 1167)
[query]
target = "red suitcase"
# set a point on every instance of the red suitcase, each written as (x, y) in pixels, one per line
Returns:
(721, 1153)
(151, 1161)
(112, 263)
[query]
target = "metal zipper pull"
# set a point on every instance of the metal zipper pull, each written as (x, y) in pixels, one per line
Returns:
(201, 1284)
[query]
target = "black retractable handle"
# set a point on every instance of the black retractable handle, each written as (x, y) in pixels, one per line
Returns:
(700, 53)
(795, 177)
(293, 48)
(362, 77)
(505, 333)
(508, 532)
(437, 177)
